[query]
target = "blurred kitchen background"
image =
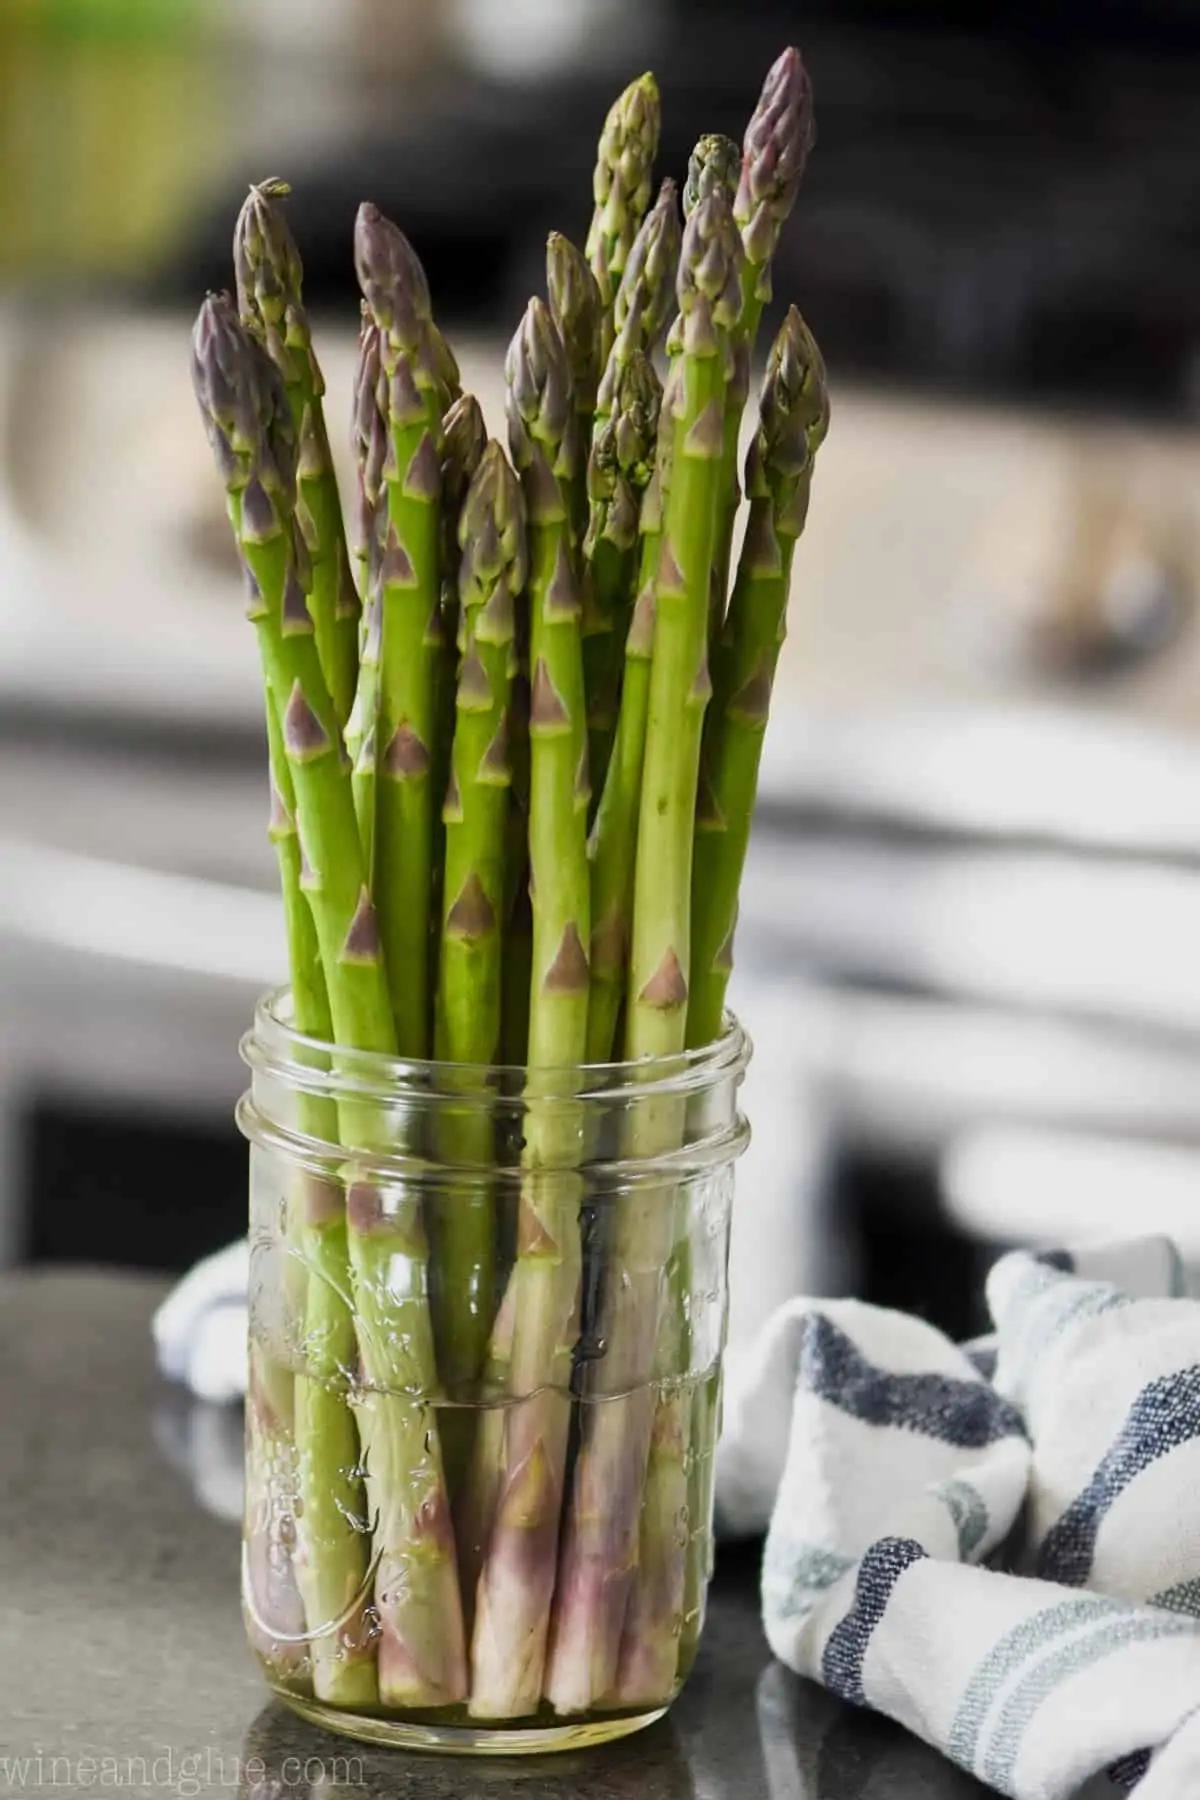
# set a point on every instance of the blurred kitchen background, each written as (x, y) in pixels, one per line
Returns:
(970, 944)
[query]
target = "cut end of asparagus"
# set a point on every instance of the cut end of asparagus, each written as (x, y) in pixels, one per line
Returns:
(577, 309)
(392, 279)
(775, 150)
(716, 162)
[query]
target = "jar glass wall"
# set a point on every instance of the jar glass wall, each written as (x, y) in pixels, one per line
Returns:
(487, 1312)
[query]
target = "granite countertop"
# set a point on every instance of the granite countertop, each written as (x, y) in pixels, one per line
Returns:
(121, 1639)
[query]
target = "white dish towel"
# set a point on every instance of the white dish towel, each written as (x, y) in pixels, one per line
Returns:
(998, 1546)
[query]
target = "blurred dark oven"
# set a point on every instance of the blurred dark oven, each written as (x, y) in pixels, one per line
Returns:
(968, 947)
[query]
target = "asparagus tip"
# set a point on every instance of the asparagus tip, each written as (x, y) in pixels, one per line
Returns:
(775, 150)
(716, 161)
(794, 403)
(710, 266)
(537, 377)
(266, 261)
(391, 276)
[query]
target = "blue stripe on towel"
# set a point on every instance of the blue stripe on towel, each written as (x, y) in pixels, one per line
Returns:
(796, 1574)
(1126, 1773)
(1164, 1415)
(966, 1507)
(999, 1763)
(1184, 1597)
(879, 1571)
(1006, 1656)
(953, 1410)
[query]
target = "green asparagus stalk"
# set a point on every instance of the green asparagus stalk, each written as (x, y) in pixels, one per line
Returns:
(639, 314)
(619, 471)
(420, 1651)
(246, 413)
(516, 1584)
(464, 435)
(492, 573)
(775, 151)
(476, 1501)
(464, 438)
(330, 1556)
(578, 311)
(654, 1617)
(600, 1545)
(644, 297)
(394, 287)
(613, 844)
(245, 410)
(793, 419)
(621, 188)
(270, 300)
(271, 1600)
(517, 976)
(371, 441)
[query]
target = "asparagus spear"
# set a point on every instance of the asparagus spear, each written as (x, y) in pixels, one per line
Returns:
(517, 977)
(715, 162)
(477, 1499)
(621, 187)
(644, 296)
(775, 151)
(246, 414)
(577, 310)
(491, 539)
(369, 438)
(517, 1580)
(654, 1618)
(464, 438)
(270, 299)
(371, 441)
(332, 1535)
(464, 435)
(420, 1649)
(793, 419)
(245, 411)
(619, 470)
(599, 1550)
(394, 287)
(492, 573)
(614, 835)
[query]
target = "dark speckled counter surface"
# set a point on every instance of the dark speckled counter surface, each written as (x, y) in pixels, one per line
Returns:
(122, 1664)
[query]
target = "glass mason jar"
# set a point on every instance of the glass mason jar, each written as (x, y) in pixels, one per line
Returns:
(487, 1313)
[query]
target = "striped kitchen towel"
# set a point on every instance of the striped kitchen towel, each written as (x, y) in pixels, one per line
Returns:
(996, 1545)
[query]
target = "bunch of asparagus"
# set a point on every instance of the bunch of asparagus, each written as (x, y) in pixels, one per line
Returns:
(515, 715)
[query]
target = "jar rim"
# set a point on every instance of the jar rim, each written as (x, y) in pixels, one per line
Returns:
(275, 1046)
